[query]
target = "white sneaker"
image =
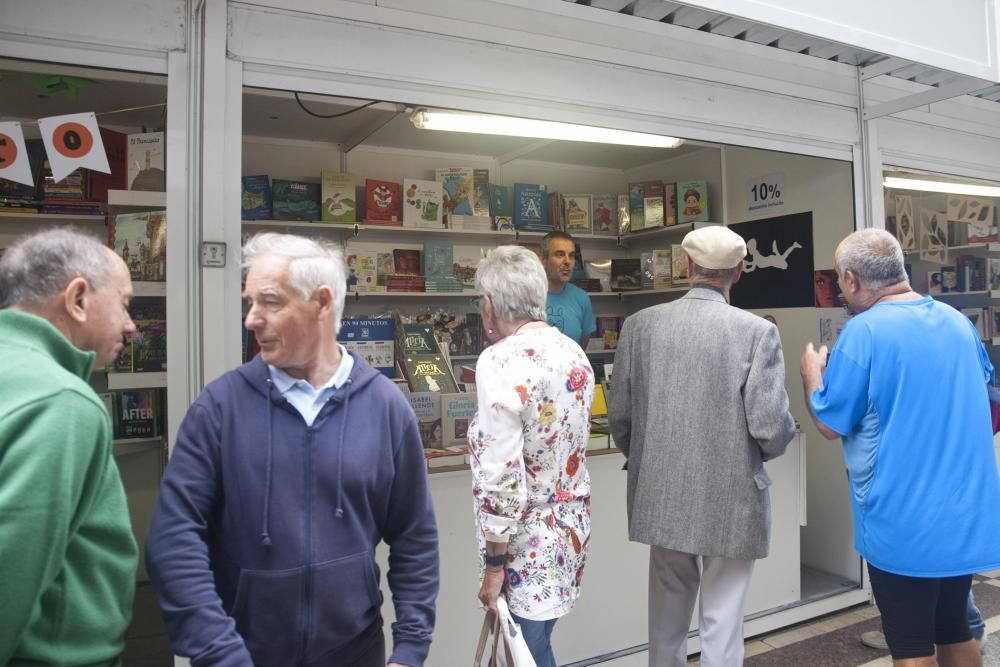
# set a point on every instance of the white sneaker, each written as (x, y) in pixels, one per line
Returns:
(874, 639)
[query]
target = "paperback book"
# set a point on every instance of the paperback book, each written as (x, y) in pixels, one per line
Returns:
(500, 201)
(383, 203)
(421, 203)
(481, 192)
(604, 215)
(338, 197)
(145, 156)
(140, 239)
(456, 188)
(362, 270)
(692, 201)
(531, 207)
(576, 214)
(295, 200)
(255, 201)
(138, 413)
(372, 339)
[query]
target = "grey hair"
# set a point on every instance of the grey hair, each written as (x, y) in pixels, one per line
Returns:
(514, 279)
(553, 236)
(311, 264)
(874, 256)
(724, 276)
(38, 267)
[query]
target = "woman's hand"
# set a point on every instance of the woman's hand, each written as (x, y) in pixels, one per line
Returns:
(492, 585)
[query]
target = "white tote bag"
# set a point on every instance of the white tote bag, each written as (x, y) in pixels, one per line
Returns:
(509, 648)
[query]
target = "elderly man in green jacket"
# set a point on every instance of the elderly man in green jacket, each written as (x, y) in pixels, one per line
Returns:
(67, 553)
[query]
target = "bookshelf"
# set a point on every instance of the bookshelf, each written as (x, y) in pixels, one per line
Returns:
(50, 219)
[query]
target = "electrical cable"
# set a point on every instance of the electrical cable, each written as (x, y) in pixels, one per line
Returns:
(333, 115)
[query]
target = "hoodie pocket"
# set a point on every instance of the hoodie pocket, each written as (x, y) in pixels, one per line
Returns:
(268, 610)
(345, 603)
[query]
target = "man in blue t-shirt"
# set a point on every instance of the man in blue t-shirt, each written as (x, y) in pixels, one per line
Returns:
(568, 306)
(906, 388)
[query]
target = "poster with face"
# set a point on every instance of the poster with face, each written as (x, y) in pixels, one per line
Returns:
(905, 232)
(778, 268)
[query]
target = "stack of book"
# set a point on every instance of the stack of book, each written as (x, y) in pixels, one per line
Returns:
(482, 223)
(68, 196)
(404, 282)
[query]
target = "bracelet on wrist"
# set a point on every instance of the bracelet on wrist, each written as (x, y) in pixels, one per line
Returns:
(498, 560)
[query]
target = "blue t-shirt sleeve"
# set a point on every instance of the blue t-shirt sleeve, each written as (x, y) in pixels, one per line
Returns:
(843, 399)
(588, 325)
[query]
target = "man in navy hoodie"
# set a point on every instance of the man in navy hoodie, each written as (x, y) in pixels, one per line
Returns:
(286, 474)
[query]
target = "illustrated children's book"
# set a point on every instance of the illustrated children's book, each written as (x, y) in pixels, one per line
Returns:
(256, 198)
(456, 184)
(383, 203)
(338, 197)
(576, 214)
(295, 200)
(531, 207)
(692, 201)
(421, 203)
(362, 270)
(604, 215)
(141, 240)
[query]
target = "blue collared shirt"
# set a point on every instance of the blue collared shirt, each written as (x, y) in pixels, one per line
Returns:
(303, 397)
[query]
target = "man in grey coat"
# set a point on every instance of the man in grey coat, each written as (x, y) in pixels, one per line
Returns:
(697, 404)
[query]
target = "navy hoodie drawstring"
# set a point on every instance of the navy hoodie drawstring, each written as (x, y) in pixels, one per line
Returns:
(340, 452)
(265, 537)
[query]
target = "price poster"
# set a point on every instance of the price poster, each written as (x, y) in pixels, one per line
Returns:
(766, 193)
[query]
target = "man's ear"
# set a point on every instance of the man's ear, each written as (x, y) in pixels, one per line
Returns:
(324, 299)
(76, 299)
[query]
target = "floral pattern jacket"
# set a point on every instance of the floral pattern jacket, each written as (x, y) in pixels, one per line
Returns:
(528, 446)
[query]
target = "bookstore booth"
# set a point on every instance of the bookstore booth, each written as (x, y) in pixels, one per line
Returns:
(321, 122)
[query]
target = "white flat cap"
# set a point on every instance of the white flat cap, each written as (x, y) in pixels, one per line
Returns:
(714, 247)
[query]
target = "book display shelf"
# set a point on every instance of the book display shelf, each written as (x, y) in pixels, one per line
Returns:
(405, 194)
(951, 244)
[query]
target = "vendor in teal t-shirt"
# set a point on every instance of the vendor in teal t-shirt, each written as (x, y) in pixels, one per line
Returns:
(568, 306)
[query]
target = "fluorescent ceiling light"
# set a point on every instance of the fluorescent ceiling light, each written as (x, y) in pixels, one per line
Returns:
(454, 121)
(939, 186)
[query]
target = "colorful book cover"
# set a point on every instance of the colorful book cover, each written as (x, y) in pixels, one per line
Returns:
(670, 204)
(626, 274)
(503, 223)
(386, 267)
(383, 202)
(481, 192)
(372, 339)
(692, 201)
(636, 208)
(531, 207)
(362, 270)
(141, 240)
(500, 201)
(422, 203)
(604, 214)
(146, 164)
(138, 413)
(576, 214)
(465, 261)
(406, 261)
(457, 411)
(439, 260)
(295, 200)
(427, 408)
(653, 208)
(456, 189)
(256, 198)
(678, 265)
(339, 203)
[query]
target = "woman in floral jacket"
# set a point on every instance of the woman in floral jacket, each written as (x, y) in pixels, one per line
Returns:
(531, 488)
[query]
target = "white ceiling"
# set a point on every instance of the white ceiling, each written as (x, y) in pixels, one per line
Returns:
(693, 18)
